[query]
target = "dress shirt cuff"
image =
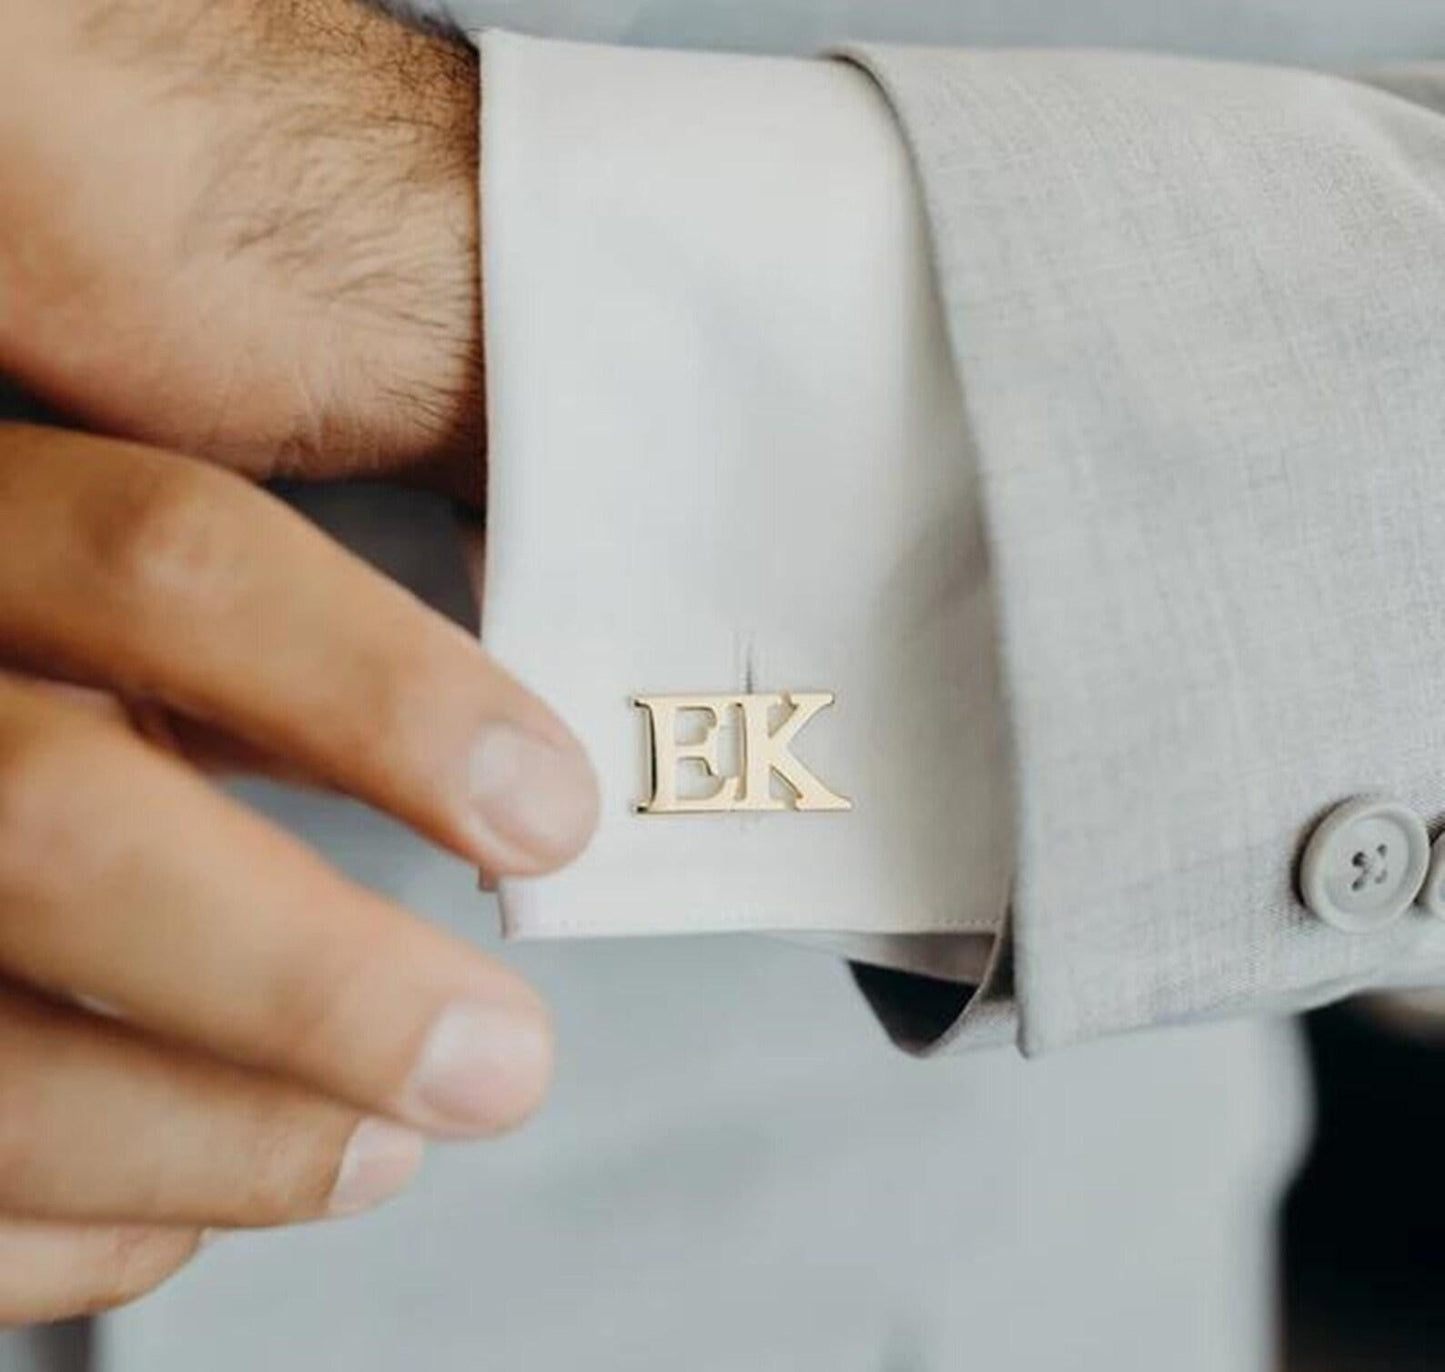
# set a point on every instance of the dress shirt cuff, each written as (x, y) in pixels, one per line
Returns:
(727, 456)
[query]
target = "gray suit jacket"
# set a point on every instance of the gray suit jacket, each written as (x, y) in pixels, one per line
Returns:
(1198, 313)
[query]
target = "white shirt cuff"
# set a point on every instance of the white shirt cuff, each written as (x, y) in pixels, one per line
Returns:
(728, 455)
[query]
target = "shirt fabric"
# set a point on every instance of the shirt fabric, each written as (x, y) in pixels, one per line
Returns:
(739, 239)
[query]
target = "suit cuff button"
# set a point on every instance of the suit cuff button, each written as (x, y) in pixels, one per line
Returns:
(1365, 864)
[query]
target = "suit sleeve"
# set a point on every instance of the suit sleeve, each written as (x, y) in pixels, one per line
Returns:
(1197, 312)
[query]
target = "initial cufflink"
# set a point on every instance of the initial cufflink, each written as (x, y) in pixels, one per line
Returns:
(765, 752)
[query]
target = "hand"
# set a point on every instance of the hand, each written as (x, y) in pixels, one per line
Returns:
(275, 1040)
(245, 229)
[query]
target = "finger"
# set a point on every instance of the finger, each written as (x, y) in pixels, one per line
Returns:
(60, 1271)
(99, 1124)
(127, 880)
(211, 750)
(203, 747)
(175, 581)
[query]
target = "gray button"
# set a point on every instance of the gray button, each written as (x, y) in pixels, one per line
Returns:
(1433, 896)
(1364, 864)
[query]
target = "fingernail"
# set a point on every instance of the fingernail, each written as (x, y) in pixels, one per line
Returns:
(379, 1160)
(532, 802)
(482, 1069)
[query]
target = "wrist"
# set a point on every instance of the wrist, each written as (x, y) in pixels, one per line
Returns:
(256, 239)
(375, 264)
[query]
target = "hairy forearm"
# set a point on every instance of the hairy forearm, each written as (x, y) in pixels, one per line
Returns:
(269, 255)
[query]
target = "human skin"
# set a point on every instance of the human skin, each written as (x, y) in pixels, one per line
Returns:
(245, 229)
(237, 234)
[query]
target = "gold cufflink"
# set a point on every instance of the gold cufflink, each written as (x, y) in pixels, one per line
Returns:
(764, 752)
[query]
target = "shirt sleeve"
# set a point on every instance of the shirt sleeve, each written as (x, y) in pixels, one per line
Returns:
(727, 459)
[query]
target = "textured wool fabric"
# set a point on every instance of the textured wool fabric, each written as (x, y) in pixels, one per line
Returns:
(1197, 310)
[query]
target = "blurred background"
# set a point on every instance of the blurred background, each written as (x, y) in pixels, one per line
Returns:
(1364, 1242)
